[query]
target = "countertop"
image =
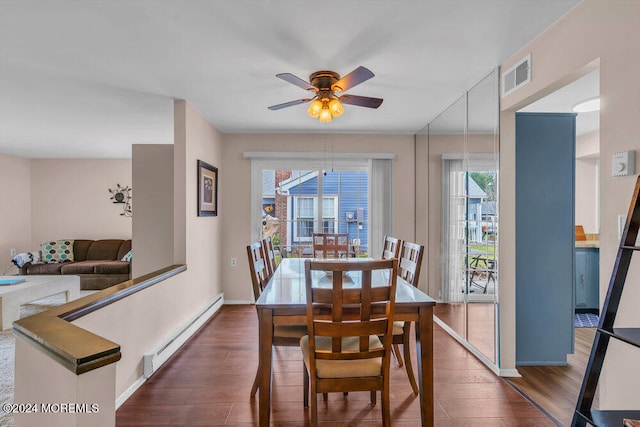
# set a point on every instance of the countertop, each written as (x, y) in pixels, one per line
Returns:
(588, 244)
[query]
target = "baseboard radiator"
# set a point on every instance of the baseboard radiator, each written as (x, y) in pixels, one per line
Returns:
(154, 360)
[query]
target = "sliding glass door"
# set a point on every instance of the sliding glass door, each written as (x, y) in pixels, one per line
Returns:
(294, 195)
(297, 203)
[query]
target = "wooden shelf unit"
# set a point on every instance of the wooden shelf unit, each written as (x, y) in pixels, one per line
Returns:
(583, 413)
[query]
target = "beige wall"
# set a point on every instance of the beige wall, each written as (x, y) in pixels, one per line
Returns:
(422, 206)
(70, 199)
(15, 208)
(204, 235)
(595, 33)
(153, 222)
(141, 321)
(43, 380)
(236, 190)
(587, 156)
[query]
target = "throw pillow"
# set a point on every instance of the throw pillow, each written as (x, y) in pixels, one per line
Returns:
(21, 259)
(58, 251)
(128, 256)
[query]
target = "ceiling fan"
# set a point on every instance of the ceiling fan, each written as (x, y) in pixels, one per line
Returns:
(326, 104)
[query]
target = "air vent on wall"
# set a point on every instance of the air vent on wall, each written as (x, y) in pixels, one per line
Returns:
(516, 76)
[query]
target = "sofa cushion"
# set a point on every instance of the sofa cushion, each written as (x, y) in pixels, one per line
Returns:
(80, 267)
(57, 251)
(53, 268)
(80, 248)
(104, 250)
(112, 267)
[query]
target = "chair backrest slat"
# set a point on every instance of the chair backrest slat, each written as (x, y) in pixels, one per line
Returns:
(410, 261)
(258, 268)
(330, 245)
(270, 255)
(391, 248)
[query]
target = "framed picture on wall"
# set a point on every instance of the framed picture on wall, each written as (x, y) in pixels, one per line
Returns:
(207, 189)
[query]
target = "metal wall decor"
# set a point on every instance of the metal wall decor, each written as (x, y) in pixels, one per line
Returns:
(122, 195)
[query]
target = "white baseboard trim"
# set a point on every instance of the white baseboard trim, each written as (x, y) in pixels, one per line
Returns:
(484, 359)
(153, 361)
(510, 373)
(538, 363)
(238, 302)
(129, 392)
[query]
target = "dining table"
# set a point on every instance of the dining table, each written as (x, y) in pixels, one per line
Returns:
(283, 301)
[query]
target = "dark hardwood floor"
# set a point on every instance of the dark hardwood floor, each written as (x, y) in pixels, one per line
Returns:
(555, 388)
(208, 381)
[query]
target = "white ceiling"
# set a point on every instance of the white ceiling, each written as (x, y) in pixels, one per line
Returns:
(86, 79)
(563, 100)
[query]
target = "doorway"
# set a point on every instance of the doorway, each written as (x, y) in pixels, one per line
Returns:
(587, 188)
(557, 394)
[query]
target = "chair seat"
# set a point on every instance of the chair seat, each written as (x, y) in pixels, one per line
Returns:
(398, 327)
(290, 331)
(344, 368)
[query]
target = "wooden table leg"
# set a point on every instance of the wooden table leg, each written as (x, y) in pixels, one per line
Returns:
(424, 356)
(265, 326)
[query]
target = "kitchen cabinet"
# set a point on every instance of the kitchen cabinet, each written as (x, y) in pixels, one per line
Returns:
(587, 280)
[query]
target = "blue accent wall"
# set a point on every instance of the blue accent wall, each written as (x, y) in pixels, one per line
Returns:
(545, 233)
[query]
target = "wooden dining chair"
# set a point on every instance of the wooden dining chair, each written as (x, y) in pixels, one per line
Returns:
(330, 245)
(258, 268)
(410, 260)
(391, 248)
(283, 335)
(343, 351)
(270, 255)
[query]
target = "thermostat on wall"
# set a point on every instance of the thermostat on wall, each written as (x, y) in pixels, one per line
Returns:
(623, 163)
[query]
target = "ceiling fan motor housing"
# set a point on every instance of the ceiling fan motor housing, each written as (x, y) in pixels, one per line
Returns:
(323, 80)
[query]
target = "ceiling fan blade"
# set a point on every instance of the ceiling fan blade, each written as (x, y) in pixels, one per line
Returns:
(289, 104)
(357, 76)
(361, 101)
(288, 77)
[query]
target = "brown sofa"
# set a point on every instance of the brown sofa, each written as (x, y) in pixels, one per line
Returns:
(98, 263)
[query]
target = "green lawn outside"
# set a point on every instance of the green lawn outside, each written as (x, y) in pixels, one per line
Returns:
(488, 253)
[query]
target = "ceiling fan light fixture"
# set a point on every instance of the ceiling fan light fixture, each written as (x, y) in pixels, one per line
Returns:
(325, 105)
(336, 108)
(325, 115)
(315, 108)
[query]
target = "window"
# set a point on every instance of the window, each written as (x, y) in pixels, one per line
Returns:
(294, 202)
(305, 218)
(330, 215)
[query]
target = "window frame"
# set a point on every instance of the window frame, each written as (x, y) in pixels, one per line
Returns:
(318, 222)
(380, 222)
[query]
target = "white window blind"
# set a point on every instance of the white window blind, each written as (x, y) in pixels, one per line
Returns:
(381, 204)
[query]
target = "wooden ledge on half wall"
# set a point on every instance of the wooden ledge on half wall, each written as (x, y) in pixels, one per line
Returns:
(75, 348)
